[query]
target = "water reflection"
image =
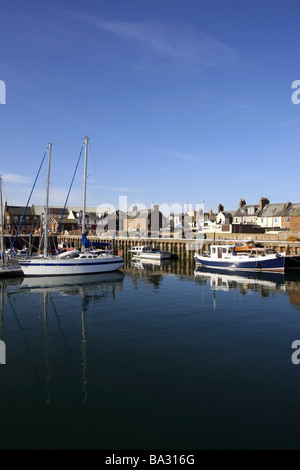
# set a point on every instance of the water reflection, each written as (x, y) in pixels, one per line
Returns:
(74, 285)
(57, 318)
(45, 297)
(151, 265)
(183, 266)
(264, 283)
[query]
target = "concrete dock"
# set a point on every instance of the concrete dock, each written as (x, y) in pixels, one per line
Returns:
(179, 247)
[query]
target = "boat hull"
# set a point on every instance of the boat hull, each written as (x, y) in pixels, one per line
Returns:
(292, 262)
(268, 263)
(152, 256)
(70, 267)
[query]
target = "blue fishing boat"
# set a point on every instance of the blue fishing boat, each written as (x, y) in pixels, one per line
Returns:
(226, 257)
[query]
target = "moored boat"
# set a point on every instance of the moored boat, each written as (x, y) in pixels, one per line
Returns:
(85, 263)
(73, 262)
(225, 257)
(147, 252)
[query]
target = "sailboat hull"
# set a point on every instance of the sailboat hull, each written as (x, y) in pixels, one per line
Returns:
(70, 267)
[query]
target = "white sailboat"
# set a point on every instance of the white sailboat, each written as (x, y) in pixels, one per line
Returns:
(83, 262)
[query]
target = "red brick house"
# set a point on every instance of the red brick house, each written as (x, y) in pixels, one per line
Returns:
(13, 216)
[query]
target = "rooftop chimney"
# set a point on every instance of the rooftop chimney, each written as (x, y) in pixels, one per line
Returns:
(242, 203)
(263, 202)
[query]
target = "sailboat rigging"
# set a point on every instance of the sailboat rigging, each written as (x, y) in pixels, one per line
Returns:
(83, 262)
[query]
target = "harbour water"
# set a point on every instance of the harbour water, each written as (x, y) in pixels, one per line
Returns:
(153, 357)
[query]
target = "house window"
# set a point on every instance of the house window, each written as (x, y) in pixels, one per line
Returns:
(236, 220)
(276, 220)
(16, 218)
(252, 220)
(287, 219)
(26, 218)
(251, 210)
(262, 220)
(244, 220)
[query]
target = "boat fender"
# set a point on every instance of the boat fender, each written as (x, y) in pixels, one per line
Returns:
(278, 255)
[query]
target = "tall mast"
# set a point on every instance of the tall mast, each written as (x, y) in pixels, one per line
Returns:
(84, 189)
(2, 224)
(49, 147)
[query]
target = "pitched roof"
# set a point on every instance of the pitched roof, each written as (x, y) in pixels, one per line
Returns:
(87, 209)
(18, 210)
(229, 213)
(272, 210)
(290, 210)
(244, 210)
(143, 214)
(57, 210)
(296, 212)
(63, 221)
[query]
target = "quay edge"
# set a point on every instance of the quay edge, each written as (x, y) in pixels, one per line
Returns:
(178, 247)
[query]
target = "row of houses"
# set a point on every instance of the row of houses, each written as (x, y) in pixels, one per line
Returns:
(247, 218)
(32, 219)
(69, 220)
(260, 217)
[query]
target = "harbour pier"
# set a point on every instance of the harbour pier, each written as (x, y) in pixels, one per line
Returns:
(178, 247)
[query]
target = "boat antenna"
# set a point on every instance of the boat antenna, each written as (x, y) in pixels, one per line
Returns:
(84, 192)
(49, 148)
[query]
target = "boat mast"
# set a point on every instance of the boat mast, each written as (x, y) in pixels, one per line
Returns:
(84, 190)
(2, 224)
(49, 147)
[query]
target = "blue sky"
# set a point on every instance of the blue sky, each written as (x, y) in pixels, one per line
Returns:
(183, 100)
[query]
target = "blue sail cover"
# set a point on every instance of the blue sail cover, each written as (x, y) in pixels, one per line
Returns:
(84, 241)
